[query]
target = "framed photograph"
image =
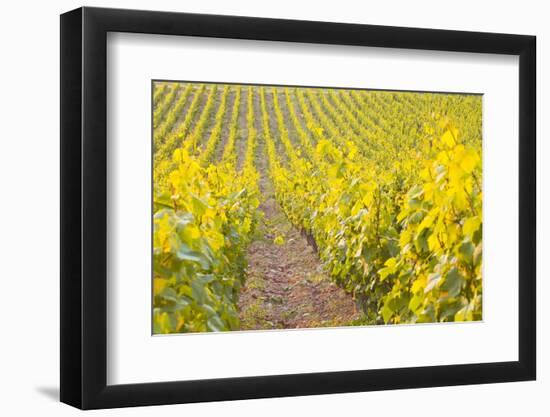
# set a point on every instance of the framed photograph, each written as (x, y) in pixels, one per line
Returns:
(256, 208)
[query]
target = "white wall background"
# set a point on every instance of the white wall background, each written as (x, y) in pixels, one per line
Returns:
(29, 219)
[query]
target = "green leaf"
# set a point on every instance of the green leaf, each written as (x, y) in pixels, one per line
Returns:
(198, 291)
(387, 312)
(205, 278)
(448, 310)
(466, 251)
(453, 282)
(416, 302)
(215, 324)
(421, 241)
(198, 287)
(390, 268)
(199, 206)
(209, 311)
(478, 253)
(169, 294)
(186, 254)
(416, 192)
(426, 223)
(163, 201)
(433, 279)
(184, 219)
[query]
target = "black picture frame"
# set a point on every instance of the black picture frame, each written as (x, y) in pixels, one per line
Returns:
(84, 207)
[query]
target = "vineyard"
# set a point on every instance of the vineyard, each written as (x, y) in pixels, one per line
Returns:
(284, 207)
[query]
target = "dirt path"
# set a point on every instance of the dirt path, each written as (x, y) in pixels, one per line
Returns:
(286, 286)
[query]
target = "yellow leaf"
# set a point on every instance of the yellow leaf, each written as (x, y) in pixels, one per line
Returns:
(418, 284)
(442, 157)
(404, 238)
(471, 225)
(159, 284)
(391, 262)
(448, 139)
(433, 243)
(469, 161)
(426, 223)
